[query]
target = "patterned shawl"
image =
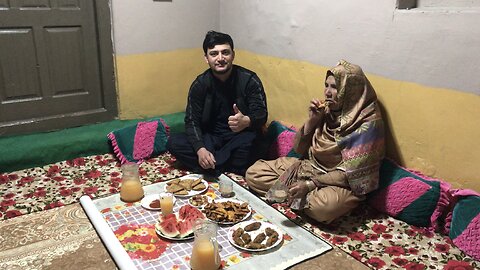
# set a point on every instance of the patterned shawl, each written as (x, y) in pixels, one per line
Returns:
(358, 131)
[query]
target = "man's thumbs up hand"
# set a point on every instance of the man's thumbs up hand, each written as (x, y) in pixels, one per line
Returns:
(235, 109)
(238, 121)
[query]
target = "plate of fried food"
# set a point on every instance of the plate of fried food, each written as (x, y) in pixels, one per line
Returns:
(255, 235)
(187, 185)
(199, 200)
(227, 211)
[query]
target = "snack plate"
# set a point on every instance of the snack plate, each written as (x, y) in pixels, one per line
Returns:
(191, 192)
(148, 199)
(231, 223)
(200, 206)
(253, 234)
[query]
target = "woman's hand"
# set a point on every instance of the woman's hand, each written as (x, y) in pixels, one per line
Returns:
(298, 189)
(316, 109)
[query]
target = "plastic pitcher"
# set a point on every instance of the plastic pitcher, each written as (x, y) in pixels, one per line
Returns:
(205, 253)
(131, 189)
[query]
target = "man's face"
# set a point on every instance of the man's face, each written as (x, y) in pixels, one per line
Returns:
(220, 58)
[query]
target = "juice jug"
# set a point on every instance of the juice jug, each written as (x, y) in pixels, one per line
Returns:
(205, 253)
(131, 189)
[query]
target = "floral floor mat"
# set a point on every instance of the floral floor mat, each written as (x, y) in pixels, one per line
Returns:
(373, 238)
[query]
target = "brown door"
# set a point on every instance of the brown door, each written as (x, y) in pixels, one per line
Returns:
(56, 64)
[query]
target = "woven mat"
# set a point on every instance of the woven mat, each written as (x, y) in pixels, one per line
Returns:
(53, 239)
(376, 240)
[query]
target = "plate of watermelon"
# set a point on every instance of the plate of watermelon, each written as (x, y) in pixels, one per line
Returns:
(179, 226)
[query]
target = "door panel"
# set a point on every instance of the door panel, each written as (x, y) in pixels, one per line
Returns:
(56, 66)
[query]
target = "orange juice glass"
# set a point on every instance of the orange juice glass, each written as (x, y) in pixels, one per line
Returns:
(166, 203)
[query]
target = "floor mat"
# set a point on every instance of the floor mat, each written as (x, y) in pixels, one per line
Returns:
(376, 240)
(53, 239)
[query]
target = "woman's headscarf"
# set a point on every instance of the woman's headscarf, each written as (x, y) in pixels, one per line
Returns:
(358, 132)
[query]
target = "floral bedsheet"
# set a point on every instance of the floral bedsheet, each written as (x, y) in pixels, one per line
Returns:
(377, 240)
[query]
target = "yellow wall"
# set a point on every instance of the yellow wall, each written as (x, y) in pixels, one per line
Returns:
(156, 83)
(429, 129)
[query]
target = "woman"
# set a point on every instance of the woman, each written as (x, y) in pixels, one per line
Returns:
(342, 145)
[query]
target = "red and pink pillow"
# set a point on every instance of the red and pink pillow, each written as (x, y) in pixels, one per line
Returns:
(140, 141)
(410, 196)
(463, 222)
(282, 137)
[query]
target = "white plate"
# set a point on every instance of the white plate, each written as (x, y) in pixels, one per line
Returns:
(230, 223)
(148, 199)
(199, 206)
(191, 192)
(188, 237)
(253, 234)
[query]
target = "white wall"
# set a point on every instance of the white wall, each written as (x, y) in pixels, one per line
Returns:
(144, 26)
(439, 48)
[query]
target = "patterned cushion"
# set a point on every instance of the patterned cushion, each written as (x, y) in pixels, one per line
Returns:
(281, 137)
(410, 196)
(465, 223)
(141, 141)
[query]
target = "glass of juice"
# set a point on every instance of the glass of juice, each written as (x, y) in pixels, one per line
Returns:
(166, 203)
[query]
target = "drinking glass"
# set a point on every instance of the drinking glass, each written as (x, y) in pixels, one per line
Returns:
(226, 188)
(166, 203)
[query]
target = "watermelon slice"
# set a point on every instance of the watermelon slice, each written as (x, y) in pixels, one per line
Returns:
(169, 216)
(185, 228)
(169, 227)
(190, 212)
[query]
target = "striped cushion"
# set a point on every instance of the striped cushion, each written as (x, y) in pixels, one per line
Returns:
(140, 141)
(410, 196)
(465, 224)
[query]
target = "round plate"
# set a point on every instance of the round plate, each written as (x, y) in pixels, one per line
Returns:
(230, 223)
(191, 192)
(199, 206)
(188, 237)
(148, 199)
(253, 234)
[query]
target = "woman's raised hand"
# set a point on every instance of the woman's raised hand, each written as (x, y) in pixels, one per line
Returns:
(316, 108)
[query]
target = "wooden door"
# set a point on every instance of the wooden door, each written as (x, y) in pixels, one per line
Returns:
(56, 64)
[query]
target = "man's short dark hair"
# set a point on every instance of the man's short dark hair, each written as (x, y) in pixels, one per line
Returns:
(213, 38)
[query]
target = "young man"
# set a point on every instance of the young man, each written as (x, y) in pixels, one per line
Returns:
(226, 108)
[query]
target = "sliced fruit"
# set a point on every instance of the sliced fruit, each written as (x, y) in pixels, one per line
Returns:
(185, 228)
(189, 212)
(169, 216)
(169, 227)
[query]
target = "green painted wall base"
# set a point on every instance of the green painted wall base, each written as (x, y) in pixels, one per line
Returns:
(34, 150)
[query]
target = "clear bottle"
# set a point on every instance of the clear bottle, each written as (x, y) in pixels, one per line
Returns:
(131, 189)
